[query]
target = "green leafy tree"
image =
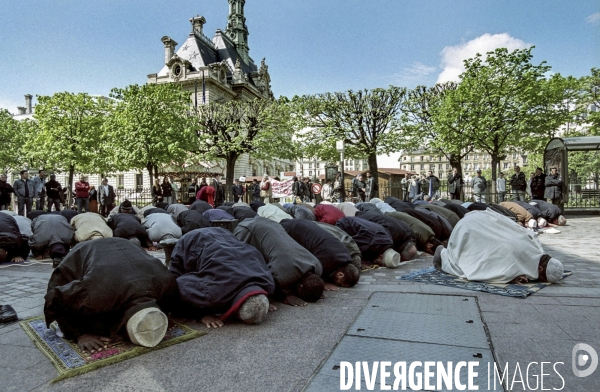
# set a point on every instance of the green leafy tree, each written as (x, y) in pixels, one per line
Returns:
(431, 113)
(11, 139)
(591, 88)
(228, 130)
(149, 127)
(368, 121)
(504, 101)
(67, 132)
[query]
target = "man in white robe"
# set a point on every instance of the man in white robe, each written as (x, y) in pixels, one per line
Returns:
(488, 247)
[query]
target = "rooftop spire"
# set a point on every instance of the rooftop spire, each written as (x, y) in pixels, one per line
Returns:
(237, 29)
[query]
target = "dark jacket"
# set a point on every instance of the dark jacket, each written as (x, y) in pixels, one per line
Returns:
(237, 190)
(401, 232)
(191, 220)
(128, 225)
(325, 247)
(548, 211)
(298, 188)
(11, 239)
(219, 192)
(103, 198)
(216, 273)
(241, 213)
(371, 238)
(167, 189)
(553, 187)
(538, 185)
(422, 233)
(357, 187)
(50, 229)
(455, 182)
(53, 189)
(518, 182)
(200, 206)
(287, 260)
(5, 190)
(256, 190)
(102, 283)
(371, 188)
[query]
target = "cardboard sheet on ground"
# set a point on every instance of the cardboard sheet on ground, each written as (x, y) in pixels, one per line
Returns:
(433, 276)
(70, 361)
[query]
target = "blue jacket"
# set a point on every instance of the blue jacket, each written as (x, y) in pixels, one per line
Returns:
(19, 187)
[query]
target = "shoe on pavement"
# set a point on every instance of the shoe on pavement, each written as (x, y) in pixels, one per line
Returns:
(7, 314)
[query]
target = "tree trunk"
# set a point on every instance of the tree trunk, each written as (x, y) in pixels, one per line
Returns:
(229, 173)
(495, 161)
(149, 168)
(71, 185)
(455, 162)
(374, 169)
(155, 171)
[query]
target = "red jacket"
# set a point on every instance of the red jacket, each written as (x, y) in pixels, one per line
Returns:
(328, 214)
(207, 193)
(82, 189)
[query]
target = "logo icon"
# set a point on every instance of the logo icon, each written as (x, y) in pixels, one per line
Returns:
(580, 360)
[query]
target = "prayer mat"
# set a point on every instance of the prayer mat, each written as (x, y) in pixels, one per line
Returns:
(433, 276)
(70, 361)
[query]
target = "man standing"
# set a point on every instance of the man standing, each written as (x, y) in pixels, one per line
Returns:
(553, 189)
(405, 184)
(518, 183)
(219, 191)
(106, 197)
(433, 186)
(193, 191)
(358, 187)
(339, 193)
(479, 187)
(455, 183)
(82, 194)
(307, 190)
(255, 190)
(372, 189)
(327, 191)
(39, 183)
(53, 189)
(5, 190)
(501, 187)
(238, 190)
(538, 185)
(24, 191)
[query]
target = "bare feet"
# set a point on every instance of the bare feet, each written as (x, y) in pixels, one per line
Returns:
(272, 307)
(17, 259)
(330, 287)
(40, 257)
(152, 248)
(211, 321)
(293, 301)
(92, 343)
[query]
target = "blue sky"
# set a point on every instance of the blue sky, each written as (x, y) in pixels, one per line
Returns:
(310, 46)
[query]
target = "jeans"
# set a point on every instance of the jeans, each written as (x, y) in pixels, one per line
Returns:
(520, 195)
(501, 196)
(55, 202)
(168, 199)
(24, 203)
(82, 203)
(40, 203)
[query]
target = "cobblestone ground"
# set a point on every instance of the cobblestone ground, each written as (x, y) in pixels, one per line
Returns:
(284, 353)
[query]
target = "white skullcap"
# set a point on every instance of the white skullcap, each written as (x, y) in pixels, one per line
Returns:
(147, 327)
(542, 222)
(554, 270)
(532, 223)
(391, 258)
(254, 309)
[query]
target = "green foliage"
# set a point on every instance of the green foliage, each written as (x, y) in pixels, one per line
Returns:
(228, 130)
(591, 88)
(11, 139)
(149, 126)
(67, 132)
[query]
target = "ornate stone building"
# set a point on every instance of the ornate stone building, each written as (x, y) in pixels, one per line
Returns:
(220, 70)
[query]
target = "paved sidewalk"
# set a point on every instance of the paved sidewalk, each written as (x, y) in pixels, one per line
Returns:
(285, 352)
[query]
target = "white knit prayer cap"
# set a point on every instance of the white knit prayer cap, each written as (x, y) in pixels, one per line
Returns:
(147, 327)
(391, 258)
(554, 270)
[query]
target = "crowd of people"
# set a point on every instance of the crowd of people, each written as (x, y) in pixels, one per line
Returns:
(105, 286)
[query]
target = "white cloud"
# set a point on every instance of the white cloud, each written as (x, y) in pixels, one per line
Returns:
(414, 74)
(453, 56)
(593, 18)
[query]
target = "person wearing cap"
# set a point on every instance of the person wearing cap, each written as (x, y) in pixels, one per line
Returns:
(108, 289)
(89, 226)
(501, 187)
(296, 272)
(52, 236)
(238, 189)
(346, 240)
(488, 247)
(373, 240)
(479, 187)
(218, 274)
(338, 269)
